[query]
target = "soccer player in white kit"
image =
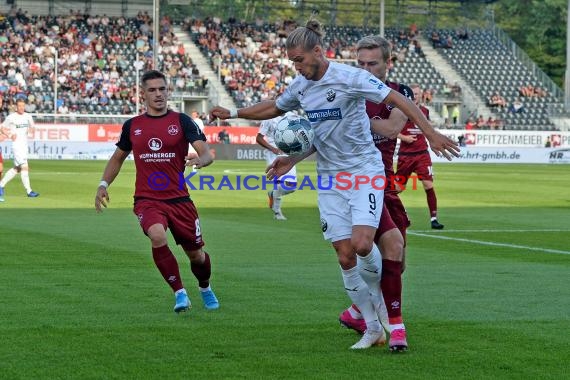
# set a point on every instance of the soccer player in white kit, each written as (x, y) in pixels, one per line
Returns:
(16, 127)
(285, 184)
(333, 97)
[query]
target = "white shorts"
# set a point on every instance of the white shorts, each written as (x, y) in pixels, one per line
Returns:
(290, 176)
(343, 208)
(20, 158)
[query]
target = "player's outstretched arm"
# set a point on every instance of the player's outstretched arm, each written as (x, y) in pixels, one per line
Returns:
(260, 111)
(109, 174)
(282, 164)
(202, 157)
(260, 139)
(440, 144)
(390, 127)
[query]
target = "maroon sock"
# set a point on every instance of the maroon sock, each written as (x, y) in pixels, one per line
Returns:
(202, 271)
(432, 202)
(391, 285)
(168, 266)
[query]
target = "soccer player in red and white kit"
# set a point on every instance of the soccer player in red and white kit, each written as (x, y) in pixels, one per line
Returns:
(373, 55)
(413, 157)
(159, 140)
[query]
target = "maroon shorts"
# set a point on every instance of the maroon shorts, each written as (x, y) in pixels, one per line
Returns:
(1, 158)
(181, 218)
(394, 215)
(397, 212)
(418, 163)
(386, 223)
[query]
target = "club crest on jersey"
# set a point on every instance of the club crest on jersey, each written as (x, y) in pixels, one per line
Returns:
(172, 130)
(155, 144)
(324, 225)
(331, 94)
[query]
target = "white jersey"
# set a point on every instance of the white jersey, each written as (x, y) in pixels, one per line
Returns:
(336, 107)
(18, 125)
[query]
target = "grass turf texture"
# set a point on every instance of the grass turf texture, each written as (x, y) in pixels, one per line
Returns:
(81, 297)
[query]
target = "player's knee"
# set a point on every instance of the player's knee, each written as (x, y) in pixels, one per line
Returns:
(391, 245)
(345, 254)
(362, 246)
(157, 235)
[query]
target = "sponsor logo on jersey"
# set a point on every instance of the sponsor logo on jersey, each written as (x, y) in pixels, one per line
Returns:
(173, 130)
(324, 114)
(138, 132)
(375, 82)
(331, 94)
(155, 144)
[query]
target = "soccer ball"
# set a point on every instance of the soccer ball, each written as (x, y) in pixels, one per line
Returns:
(294, 134)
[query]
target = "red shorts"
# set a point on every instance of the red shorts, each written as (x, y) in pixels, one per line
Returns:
(1, 158)
(397, 212)
(418, 163)
(394, 215)
(181, 218)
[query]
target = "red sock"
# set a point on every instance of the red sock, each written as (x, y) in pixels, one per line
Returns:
(202, 271)
(168, 266)
(391, 285)
(432, 202)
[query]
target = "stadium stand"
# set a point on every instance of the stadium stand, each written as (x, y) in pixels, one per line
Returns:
(492, 69)
(253, 58)
(94, 59)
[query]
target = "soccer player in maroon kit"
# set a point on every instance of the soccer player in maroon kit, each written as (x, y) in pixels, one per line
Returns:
(159, 140)
(413, 157)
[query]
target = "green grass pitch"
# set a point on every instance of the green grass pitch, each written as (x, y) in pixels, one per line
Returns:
(488, 297)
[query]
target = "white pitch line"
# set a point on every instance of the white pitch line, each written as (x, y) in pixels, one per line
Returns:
(498, 230)
(491, 243)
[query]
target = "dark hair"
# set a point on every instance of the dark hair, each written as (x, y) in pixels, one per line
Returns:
(307, 36)
(375, 42)
(152, 74)
(20, 100)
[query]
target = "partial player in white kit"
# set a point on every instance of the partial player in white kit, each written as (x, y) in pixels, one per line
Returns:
(285, 184)
(16, 127)
(333, 98)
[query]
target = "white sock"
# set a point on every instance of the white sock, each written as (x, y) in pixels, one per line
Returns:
(276, 200)
(278, 194)
(382, 312)
(358, 292)
(205, 289)
(25, 175)
(370, 269)
(356, 314)
(8, 177)
(180, 291)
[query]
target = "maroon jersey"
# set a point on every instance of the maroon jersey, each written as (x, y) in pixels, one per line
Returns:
(160, 145)
(420, 145)
(385, 145)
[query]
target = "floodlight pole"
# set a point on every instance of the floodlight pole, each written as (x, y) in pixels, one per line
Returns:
(567, 74)
(138, 85)
(382, 16)
(155, 33)
(55, 81)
